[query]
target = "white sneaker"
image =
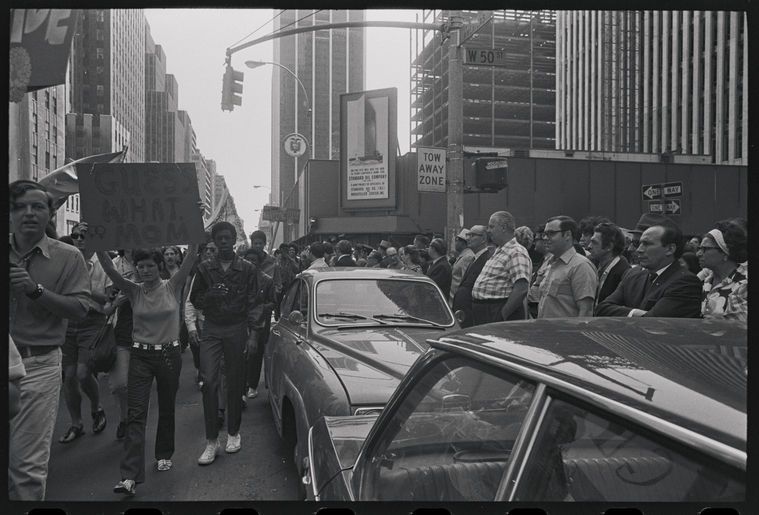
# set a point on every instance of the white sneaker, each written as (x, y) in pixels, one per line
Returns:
(252, 393)
(213, 449)
(233, 443)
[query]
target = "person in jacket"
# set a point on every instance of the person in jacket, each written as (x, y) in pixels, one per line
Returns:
(226, 288)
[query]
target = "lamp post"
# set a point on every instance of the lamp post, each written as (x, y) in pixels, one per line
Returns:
(256, 64)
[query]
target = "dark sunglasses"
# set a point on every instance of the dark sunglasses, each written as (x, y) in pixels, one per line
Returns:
(77, 236)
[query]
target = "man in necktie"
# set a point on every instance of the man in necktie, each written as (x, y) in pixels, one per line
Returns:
(661, 287)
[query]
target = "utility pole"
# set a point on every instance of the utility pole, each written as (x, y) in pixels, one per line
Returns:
(455, 212)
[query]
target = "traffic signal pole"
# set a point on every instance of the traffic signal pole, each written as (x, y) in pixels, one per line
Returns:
(455, 194)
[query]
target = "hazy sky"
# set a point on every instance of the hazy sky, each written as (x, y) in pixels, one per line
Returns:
(195, 43)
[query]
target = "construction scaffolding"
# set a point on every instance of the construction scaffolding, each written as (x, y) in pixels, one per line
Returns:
(511, 105)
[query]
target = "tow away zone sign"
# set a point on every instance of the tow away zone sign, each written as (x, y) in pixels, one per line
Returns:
(432, 169)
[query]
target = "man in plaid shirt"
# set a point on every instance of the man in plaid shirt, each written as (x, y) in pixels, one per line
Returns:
(502, 285)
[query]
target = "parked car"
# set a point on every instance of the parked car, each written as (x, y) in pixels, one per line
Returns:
(344, 340)
(599, 409)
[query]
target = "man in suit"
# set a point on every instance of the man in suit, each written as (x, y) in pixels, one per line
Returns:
(440, 269)
(477, 239)
(606, 246)
(344, 256)
(661, 287)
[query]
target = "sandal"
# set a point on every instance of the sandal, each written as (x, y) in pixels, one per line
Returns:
(125, 486)
(72, 434)
(164, 464)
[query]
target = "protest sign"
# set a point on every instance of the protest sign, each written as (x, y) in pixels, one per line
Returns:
(133, 205)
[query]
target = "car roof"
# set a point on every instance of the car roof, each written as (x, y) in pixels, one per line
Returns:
(357, 272)
(690, 372)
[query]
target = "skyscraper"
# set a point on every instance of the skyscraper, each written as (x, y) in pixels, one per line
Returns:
(666, 82)
(327, 63)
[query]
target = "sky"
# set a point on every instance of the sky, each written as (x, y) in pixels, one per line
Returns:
(195, 43)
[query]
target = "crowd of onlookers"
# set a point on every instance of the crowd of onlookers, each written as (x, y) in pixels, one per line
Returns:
(218, 299)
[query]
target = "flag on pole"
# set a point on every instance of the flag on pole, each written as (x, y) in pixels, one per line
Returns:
(62, 182)
(226, 211)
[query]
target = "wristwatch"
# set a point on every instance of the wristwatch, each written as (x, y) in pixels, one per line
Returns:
(36, 294)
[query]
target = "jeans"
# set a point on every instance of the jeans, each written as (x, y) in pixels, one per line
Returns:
(31, 430)
(255, 361)
(117, 379)
(144, 365)
(227, 341)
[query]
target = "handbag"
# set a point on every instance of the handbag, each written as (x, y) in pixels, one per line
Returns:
(103, 349)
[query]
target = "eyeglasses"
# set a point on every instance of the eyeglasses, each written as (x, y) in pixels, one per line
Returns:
(704, 249)
(547, 235)
(476, 234)
(77, 236)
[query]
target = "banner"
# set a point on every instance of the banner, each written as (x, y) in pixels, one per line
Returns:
(133, 205)
(40, 43)
(226, 211)
(63, 182)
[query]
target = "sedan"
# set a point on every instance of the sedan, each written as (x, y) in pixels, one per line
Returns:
(344, 340)
(592, 410)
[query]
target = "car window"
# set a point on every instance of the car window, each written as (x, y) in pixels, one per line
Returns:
(384, 301)
(580, 456)
(291, 300)
(451, 438)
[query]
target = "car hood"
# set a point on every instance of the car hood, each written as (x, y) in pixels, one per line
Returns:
(370, 362)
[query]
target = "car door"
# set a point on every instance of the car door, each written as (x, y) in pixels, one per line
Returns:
(584, 454)
(449, 437)
(281, 356)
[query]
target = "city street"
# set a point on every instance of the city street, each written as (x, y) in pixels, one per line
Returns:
(88, 468)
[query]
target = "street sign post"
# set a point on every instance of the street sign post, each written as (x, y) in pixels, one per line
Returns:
(651, 191)
(475, 24)
(672, 189)
(431, 169)
(485, 57)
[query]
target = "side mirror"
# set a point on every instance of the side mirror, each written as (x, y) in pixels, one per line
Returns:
(295, 318)
(460, 316)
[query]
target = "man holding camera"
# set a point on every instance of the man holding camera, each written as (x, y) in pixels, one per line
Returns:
(226, 288)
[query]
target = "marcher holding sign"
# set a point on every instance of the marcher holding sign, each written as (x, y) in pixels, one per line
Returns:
(155, 354)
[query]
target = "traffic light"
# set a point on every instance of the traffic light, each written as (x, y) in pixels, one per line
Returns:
(231, 86)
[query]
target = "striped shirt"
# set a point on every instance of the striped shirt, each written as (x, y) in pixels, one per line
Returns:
(508, 264)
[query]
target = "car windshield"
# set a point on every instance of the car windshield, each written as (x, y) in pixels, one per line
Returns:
(343, 302)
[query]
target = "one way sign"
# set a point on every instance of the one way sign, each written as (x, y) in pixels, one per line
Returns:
(651, 191)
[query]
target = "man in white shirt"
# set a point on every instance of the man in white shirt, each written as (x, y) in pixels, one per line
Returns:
(316, 256)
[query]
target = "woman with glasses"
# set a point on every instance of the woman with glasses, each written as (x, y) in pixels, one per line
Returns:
(723, 255)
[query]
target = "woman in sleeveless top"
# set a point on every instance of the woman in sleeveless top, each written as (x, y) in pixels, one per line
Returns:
(155, 354)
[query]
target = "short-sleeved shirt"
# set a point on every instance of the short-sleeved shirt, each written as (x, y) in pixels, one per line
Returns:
(729, 298)
(99, 281)
(571, 277)
(155, 313)
(508, 264)
(60, 268)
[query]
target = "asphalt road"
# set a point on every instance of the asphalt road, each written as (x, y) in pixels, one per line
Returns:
(87, 469)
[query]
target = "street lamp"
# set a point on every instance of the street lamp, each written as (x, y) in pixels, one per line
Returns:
(256, 64)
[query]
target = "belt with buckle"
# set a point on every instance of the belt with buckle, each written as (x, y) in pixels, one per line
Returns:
(29, 351)
(148, 346)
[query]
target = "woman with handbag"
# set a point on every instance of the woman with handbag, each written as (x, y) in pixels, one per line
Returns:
(155, 354)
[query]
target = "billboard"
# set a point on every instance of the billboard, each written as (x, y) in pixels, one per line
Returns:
(368, 146)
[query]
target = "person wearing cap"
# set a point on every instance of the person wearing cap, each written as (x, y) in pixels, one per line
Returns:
(477, 242)
(723, 254)
(661, 287)
(464, 258)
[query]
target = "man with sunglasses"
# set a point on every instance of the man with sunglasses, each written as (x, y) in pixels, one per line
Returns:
(78, 375)
(48, 285)
(661, 287)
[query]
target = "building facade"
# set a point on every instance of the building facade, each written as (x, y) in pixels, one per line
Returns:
(666, 82)
(328, 63)
(511, 104)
